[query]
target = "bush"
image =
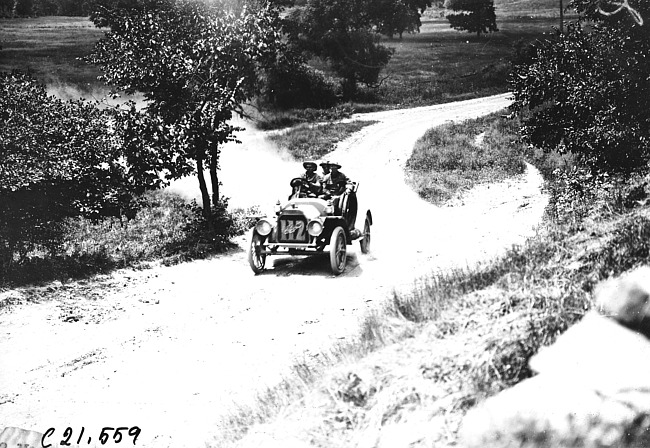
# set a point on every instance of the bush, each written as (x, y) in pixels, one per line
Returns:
(584, 92)
(58, 160)
(165, 228)
(299, 86)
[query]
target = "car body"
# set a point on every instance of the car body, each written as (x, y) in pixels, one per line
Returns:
(306, 225)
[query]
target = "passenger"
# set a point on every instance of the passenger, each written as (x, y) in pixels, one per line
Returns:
(325, 166)
(314, 181)
(335, 183)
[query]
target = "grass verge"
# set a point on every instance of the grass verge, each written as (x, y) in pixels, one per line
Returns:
(311, 142)
(459, 337)
(455, 157)
(166, 229)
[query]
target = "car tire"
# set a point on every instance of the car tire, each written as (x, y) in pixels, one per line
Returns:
(338, 251)
(255, 259)
(365, 241)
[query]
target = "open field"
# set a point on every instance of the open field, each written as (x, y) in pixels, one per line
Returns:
(49, 48)
(440, 64)
(436, 65)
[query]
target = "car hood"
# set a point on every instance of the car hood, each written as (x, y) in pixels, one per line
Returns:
(310, 208)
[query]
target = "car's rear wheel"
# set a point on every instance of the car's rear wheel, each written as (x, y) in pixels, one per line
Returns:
(365, 241)
(338, 253)
(256, 258)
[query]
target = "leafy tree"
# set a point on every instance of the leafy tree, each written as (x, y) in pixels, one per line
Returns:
(585, 92)
(340, 32)
(6, 8)
(23, 8)
(474, 16)
(58, 160)
(196, 64)
(397, 16)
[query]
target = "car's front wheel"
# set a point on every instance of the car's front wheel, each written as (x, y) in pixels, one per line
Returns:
(338, 254)
(256, 258)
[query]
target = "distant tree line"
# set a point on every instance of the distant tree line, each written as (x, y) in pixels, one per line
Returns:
(30, 8)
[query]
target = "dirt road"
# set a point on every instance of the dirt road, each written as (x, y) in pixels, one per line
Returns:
(167, 349)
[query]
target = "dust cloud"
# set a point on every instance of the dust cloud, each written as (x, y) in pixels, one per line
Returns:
(255, 172)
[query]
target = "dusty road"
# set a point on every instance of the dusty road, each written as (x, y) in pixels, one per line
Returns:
(167, 349)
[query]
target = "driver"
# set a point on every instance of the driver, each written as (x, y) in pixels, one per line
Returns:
(312, 178)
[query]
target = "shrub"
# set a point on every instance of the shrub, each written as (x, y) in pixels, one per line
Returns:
(584, 91)
(57, 160)
(298, 86)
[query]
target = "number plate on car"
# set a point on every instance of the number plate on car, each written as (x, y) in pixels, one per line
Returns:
(293, 230)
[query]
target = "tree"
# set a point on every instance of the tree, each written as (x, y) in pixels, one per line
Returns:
(6, 8)
(23, 8)
(196, 64)
(59, 160)
(585, 91)
(397, 16)
(339, 31)
(474, 16)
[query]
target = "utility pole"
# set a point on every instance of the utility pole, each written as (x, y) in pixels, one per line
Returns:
(561, 17)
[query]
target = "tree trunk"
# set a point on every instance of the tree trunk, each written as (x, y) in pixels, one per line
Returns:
(207, 210)
(214, 180)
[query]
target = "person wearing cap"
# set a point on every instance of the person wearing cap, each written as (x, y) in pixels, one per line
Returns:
(312, 178)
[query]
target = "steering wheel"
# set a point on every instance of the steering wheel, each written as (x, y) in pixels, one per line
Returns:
(298, 182)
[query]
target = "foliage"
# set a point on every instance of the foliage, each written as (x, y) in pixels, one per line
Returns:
(6, 8)
(339, 32)
(58, 160)
(195, 63)
(166, 228)
(474, 16)
(297, 85)
(397, 16)
(584, 91)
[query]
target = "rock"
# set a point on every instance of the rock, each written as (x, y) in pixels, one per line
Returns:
(543, 413)
(597, 353)
(592, 389)
(627, 299)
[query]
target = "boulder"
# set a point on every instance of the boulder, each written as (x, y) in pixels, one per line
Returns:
(627, 299)
(592, 387)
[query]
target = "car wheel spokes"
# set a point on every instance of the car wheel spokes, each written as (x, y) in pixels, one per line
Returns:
(340, 251)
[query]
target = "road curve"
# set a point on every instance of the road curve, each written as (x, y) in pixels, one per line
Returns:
(170, 348)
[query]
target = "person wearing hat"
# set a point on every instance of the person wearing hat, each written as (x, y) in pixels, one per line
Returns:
(312, 178)
(335, 183)
(325, 166)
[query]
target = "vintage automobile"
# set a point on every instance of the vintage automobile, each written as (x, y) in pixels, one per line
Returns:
(306, 225)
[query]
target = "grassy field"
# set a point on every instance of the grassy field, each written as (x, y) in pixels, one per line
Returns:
(49, 48)
(436, 65)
